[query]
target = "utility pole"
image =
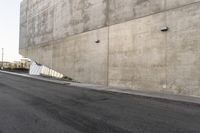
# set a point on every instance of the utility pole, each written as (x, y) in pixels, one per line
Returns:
(2, 58)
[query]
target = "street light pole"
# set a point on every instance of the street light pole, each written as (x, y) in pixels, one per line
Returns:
(2, 58)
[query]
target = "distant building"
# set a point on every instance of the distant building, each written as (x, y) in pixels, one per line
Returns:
(22, 64)
(5, 64)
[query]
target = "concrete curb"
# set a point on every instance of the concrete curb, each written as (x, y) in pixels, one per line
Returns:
(161, 96)
(153, 95)
(37, 78)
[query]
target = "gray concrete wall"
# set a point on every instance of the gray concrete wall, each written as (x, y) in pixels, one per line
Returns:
(132, 52)
(145, 58)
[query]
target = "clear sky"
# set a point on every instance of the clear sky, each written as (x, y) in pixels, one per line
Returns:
(9, 28)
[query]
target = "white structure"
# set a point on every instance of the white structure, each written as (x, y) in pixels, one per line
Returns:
(37, 69)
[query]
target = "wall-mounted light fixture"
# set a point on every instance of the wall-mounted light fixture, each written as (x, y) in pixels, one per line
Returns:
(97, 41)
(164, 29)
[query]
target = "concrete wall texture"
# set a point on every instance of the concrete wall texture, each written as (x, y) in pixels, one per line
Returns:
(132, 51)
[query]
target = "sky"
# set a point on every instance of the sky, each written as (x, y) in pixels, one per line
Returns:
(9, 29)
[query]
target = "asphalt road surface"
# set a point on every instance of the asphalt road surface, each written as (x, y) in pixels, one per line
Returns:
(33, 106)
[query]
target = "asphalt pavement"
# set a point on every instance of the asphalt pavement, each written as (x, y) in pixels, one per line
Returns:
(34, 106)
